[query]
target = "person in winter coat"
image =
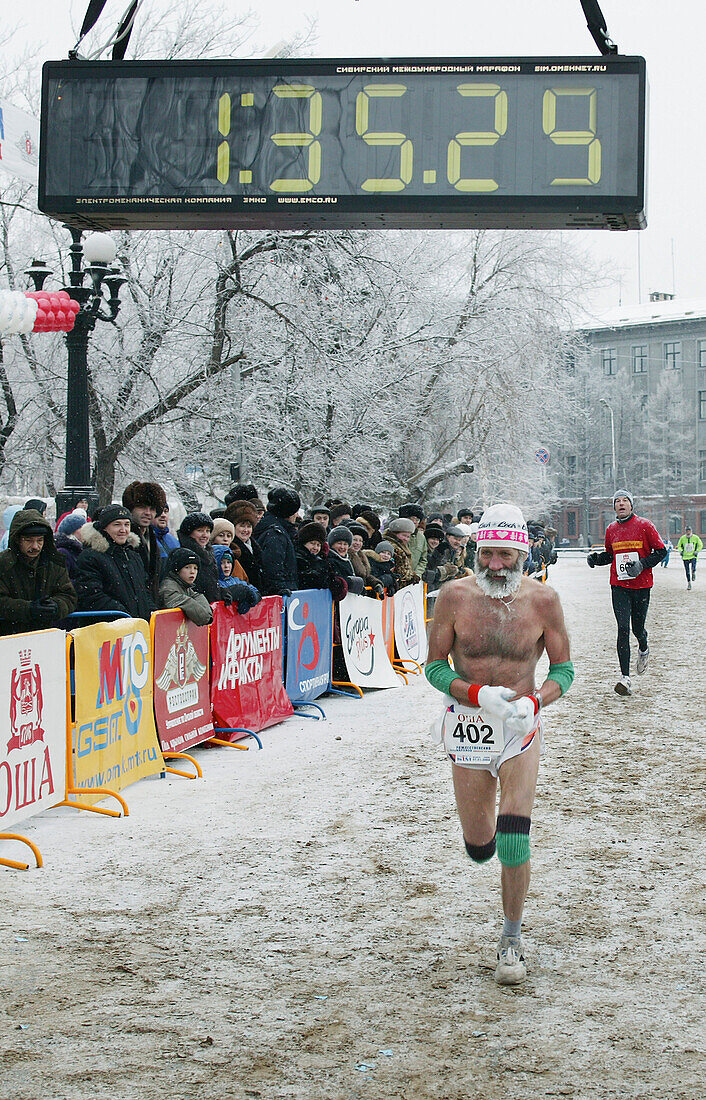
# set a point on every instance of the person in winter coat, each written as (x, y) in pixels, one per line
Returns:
(399, 533)
(165, 539)
(177, 587)
(275, 536)
(241, 593)
(382, 565)
(145, 500)
(457, 539)
(7, 518)
(371, 522)
(35, 590)
(194, 534)
(417, 545)
(243, 516)
(340, 541)
(109, 574)
(440, 564)
(67, 539)
(314, 570)
(360, 562)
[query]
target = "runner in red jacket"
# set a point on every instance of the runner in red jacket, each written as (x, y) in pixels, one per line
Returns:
(632, 548)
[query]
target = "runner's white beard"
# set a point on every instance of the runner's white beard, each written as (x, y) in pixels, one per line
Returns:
(499, 582)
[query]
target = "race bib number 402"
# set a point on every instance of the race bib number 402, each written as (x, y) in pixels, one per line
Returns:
(471, 737)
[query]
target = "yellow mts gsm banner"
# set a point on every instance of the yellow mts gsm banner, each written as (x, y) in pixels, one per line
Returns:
(114, 737)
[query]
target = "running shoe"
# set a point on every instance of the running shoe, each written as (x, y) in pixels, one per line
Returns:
(643, 656)
(688, 586)
(623, 686)
(511, 969)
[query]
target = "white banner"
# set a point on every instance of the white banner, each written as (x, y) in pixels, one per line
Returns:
(363, 644)
(410, 629)
(19, 142)
(33, 726)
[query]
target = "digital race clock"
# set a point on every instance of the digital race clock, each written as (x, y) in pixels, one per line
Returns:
(518, 143)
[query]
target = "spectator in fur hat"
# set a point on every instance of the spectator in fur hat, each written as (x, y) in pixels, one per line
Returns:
(359, 560)
(339, 513)
(340, 541)
(399, 532)
(194, 534)
(371, 522)
(145, 500)
(243, 515)
(418, 543)
(110, 574)
(177, 587)
(241, 492)
(314, 570)
(275, 536)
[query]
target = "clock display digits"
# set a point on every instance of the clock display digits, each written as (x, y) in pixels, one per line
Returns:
(306, 139)
(223, 162)
(574, 137)
(477, 137)
(377, 137)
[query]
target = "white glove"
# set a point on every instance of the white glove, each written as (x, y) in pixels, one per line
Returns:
(524, 719)
(495, 699)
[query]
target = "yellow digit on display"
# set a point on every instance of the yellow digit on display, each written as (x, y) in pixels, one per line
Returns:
(477, 137)
(223, 161)
(306, 138)
(378, 137)
(574, 137)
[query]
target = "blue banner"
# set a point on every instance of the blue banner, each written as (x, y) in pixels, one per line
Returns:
(308, 659)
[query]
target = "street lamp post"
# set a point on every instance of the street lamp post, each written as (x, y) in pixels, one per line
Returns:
(104, 288)
(612, 441)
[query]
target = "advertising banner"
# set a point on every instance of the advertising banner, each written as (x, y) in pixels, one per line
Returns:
(114, 738)
(247, 689)
(33, 741)
(363, 644)
(182, 700)
(309, 640)
(388, 625)
(19, 142)
(410, 629)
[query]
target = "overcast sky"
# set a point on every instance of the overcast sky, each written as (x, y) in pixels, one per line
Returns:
(669, 36)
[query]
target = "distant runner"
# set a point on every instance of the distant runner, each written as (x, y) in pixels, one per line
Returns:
(689, 546)
(632, 548)
(496, 625)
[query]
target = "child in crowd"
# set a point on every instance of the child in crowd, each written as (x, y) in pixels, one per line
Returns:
(340, 541)
(382, 565)
(177, 587)
(222, 533)
(244, 595)
(313, 569)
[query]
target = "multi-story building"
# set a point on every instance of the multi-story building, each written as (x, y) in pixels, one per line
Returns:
(639, 421)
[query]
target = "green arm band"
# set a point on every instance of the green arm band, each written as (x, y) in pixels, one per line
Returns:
(562, 674)
(441, 676)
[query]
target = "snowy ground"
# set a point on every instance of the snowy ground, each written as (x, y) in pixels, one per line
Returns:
(308, 909)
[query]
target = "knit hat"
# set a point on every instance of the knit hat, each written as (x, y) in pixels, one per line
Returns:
(71, 523)
(434, 531)
(109, 514)
(38, 505)
(194, 520)
(220, 525)
(241, 511)
(144, 494)
(356, 528)
(623, 493)
(179, 558)
(311, 532)
(503, 526)
(399, 526)
(407, 510)
(283, 503)
(340, 534)
(384, 548)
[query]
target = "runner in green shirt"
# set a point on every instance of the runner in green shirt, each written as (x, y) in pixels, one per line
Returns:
(689, 546)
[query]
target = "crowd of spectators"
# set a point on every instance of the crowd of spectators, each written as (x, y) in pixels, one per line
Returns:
(127, 558)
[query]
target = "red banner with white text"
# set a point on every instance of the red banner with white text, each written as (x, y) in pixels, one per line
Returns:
(247, 690)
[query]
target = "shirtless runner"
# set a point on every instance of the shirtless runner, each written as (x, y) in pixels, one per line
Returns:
(495, 626)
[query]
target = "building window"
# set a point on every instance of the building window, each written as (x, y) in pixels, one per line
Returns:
(571, 524)
(675, 525)
(571, 466)
(639, 358)
(607, 465)
(609, 360)
(640, 470)
(676, 469)
(672, 355)
(702, 523)
(702, 465)
(701, 352)
(702, 404)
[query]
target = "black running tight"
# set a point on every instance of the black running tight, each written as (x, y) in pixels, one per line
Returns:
(630, 604)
